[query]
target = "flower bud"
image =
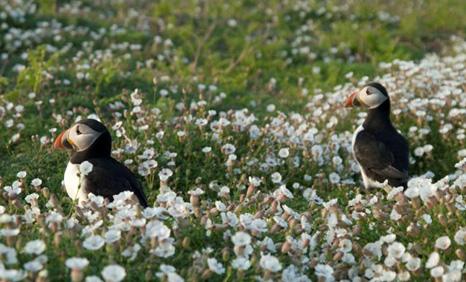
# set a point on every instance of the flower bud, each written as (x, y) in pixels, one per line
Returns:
(460, 254)
(225, 254)
(76, 275)
(194, 199)
(206, 274)
(286, 247)
(443, 220)
(250, 191)
(186, 242)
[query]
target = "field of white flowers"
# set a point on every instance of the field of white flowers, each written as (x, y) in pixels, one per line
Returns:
(239, 138)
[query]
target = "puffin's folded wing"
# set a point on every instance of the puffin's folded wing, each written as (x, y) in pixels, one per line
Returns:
(392, 172)
(109, 178)
(373, 155)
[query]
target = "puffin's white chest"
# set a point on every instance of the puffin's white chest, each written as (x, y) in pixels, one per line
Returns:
(74, 184)
(359, 129)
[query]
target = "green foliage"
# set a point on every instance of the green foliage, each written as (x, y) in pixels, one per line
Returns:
(32, 79)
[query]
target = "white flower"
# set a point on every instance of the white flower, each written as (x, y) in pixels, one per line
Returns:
(241, 239)
(413, 264)
(276, 177)
(390, 238)
(394, 215)
(174, 277)
(427, 218)
(12, 274)
(456, 265)
(280, 221)
(433, 260)
(388, 276)
(404, 276)
(282, 190)
(21, 174)
(443, 243)
(164, 250)
(112, 235)
(85, 167)
(31, 197)
(437, 271)
(374, 248)
(389, 261)
(33, 266)
(113, 273)
(241, 263)
(196, 192)
(166, 268)
(452, 276)
(284, 153)
(460, 237)
(35, 247)
(228, 149)
(207, 150)
(94, 242)
(156, 229)
(131, 252)
(255, 181)
(419, 151)
(396, 250)
(168, 272)
(325, 271)
(165, 173)
(270, 263)
(93, 278)
(215, 266)
(13, 190)
(334, 178)
(348, 258)
(232, 23)
(292, 274)
(76, 263)
(36, 182)
(54, 217)
(412, 192)
(7, 232)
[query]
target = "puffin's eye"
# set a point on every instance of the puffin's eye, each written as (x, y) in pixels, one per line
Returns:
(77, 130)
(368, 92)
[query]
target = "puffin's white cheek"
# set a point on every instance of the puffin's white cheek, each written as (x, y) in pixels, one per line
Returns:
(84, 141)
(374, 100)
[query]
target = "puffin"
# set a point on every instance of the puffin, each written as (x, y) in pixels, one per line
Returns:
(89, 140)
(380, 150)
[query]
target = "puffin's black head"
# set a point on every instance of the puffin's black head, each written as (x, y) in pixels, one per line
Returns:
(86, 139)
(372, 95)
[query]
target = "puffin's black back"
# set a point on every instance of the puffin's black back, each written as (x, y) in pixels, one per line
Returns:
(376, 150)
(109, 177)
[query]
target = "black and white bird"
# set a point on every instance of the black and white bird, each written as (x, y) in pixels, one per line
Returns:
(381, 152)
(89, 140)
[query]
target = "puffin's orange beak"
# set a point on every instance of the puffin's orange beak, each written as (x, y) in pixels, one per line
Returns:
(350, 100)
(58, 144)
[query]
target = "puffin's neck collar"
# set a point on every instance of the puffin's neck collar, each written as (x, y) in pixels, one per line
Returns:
(378, 118)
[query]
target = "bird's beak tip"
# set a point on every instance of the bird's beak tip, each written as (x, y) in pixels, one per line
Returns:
(58, 143)
(350, 100)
